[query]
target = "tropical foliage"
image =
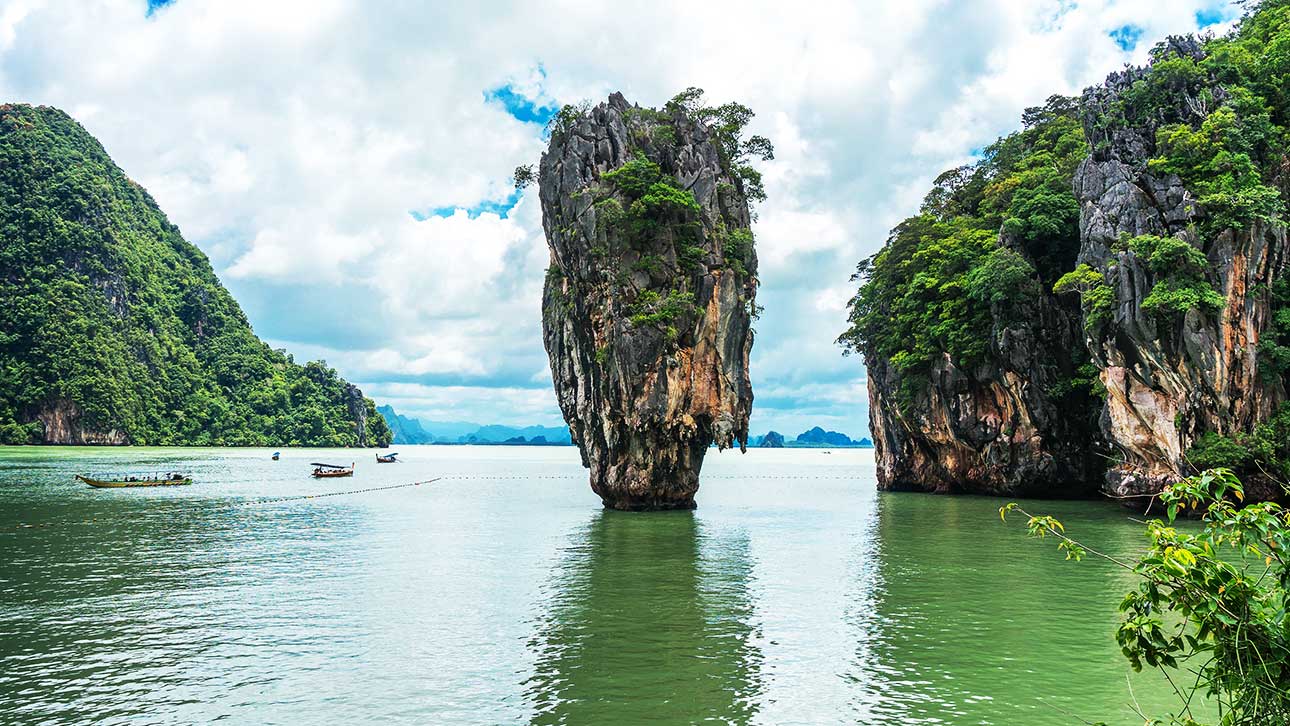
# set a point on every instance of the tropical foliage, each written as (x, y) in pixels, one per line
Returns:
(1179, 270)
(1214, 112)
(1263, 452)
(1210, 609)
(1096, 296)
(727, 123)
(936, 286)
(110, 312)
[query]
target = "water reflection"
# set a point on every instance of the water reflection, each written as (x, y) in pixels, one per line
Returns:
(118, 606)
(648, 621)
(500, 599)
(972, 623)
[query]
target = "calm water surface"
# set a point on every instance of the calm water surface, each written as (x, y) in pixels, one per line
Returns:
(504, 594)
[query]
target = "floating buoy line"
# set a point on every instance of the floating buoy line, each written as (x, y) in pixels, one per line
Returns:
(275, 500)
(457, 477)
(254, 502)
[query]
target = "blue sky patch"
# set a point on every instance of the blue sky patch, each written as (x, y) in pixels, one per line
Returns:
(155, 5)
(520, 106)
(1214, 15)
(488, 206)
(1127, 36)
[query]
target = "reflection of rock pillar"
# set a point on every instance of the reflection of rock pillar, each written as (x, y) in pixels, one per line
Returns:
(647, 614)
(939, 639)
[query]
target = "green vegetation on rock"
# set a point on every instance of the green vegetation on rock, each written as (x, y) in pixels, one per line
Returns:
(1221, 116)
(1274, 345)
(944, 275)
(1096, 297)
(1263, 453)
(1179, 269)
(112, 322)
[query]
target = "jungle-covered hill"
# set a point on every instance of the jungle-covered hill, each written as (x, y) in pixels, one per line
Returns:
(115, 330)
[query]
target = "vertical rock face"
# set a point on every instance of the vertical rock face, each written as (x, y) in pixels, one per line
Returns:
(1180, 262)
(648, 300)
(1169, 380)
(995, 428)
(359, 408)
(62, 423)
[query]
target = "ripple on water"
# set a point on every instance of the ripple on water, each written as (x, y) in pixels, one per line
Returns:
(516, 599)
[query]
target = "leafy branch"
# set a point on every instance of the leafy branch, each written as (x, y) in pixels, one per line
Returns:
(1212, 602)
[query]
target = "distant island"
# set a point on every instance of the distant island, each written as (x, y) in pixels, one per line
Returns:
(814, 438)
(408, 430)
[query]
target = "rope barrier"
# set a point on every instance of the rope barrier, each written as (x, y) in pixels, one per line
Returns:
(458, 477)
(274, 500)
(529, 477)
(271, 500)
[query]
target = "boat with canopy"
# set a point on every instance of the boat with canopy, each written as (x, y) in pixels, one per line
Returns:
(153, 479)
(326, 471)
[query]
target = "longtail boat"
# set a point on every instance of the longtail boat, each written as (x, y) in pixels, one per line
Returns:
(137, 480)
(387, 459)
(325, 471)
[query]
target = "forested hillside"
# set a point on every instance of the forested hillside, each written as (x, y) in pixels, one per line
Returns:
(115, 330)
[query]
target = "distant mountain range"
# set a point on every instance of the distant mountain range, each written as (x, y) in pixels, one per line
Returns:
(413, 431)
(815, 438)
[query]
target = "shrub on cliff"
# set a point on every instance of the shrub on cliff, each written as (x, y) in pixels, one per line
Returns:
(727, 123)
(1274, 344)
(1096, 297)
(1263, 452)
(1211, 607)
(1179, 269)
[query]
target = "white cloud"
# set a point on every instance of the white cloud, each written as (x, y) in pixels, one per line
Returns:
(512, 406)
(291, 141)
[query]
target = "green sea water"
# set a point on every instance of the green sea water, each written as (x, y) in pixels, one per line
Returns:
(502, 593)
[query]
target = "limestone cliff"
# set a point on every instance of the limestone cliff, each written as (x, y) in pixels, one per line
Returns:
(649, 297)
(975, 375)
(1004, 426)
(1142, 259)
(1170, 379)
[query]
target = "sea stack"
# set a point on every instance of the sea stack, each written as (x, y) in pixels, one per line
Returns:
(650, 294)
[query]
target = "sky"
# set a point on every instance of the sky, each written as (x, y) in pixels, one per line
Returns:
(346, 164)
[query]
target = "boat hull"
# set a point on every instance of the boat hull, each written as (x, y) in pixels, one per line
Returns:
(109, 484)
(331, 474)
